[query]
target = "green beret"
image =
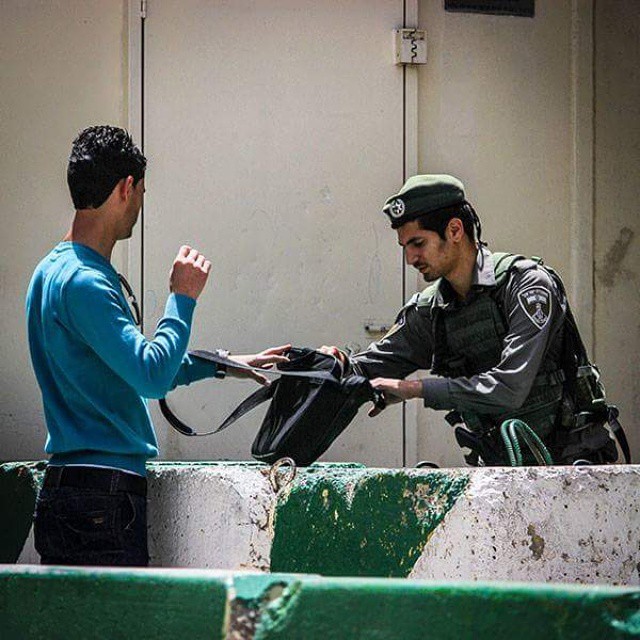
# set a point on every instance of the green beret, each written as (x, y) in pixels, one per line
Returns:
(423, 194)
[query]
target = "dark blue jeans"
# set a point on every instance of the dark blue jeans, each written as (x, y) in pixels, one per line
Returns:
(83, 526)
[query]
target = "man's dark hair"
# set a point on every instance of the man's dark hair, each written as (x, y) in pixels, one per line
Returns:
(438, 220)
(100, 157)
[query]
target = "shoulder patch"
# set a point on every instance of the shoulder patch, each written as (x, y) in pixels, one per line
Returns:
(398, 324)
(536, 303)
(394, 328)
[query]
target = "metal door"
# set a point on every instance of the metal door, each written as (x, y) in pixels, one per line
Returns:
(274, 133)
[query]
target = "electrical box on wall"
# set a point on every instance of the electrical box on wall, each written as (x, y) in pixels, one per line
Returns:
(410, 46)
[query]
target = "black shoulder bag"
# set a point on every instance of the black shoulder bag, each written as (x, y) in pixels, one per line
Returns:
(312, 403)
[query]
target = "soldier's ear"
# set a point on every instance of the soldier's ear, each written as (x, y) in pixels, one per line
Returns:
(455, 230)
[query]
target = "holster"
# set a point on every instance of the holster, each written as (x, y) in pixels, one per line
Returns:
(485, 448)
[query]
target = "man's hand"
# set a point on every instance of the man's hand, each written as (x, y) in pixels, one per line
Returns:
(264, 360)
(395, 391)
(189, 273)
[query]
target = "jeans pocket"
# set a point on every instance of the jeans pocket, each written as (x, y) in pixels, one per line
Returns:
(91, 523)
(48, 533)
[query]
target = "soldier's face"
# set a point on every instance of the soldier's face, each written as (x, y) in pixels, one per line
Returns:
(426, 251)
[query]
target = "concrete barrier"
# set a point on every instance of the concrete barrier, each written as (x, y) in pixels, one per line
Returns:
(67, 603)
(552, 524)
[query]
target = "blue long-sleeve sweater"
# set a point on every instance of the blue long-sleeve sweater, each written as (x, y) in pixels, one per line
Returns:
(94, 367)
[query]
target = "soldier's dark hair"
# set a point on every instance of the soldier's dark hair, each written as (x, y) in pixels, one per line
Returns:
(438, 220)
(100, 157)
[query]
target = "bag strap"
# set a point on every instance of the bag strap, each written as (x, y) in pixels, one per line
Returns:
(248, 404)
(618, 432)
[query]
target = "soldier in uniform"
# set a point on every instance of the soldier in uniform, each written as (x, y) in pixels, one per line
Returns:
(492, 327)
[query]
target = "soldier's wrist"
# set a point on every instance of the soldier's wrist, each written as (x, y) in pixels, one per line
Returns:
(415, 389)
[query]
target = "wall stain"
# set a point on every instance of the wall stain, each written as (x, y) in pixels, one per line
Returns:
(537, 542)
(611, 265)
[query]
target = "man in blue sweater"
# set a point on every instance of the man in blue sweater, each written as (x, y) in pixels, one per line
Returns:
(96, 369)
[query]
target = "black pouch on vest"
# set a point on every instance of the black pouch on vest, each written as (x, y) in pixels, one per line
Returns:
(581, 432)
(312, 403)
(589, 442)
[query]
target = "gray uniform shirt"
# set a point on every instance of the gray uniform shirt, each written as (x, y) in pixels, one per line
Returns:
(534, 308)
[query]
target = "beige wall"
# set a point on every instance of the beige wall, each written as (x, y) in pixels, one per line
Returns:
(617, 198)
(497, 106)
(507, 104)
(62, 68)
(495, 110)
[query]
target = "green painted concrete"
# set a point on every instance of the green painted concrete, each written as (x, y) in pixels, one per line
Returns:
(48, 602)
(117, 604)
(360, 522)
(394, 609)
(19, 485)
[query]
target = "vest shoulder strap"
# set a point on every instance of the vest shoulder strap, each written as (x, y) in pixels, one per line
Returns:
(502, 264)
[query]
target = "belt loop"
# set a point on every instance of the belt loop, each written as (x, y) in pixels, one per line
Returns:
(55, 473)
(115, 476)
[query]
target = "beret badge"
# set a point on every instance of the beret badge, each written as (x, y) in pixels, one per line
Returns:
(396, 208)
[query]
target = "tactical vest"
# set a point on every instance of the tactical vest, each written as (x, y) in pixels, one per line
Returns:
(468, 340)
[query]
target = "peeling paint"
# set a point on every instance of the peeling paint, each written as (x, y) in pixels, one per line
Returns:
(280, 612)
(249, 598)
(361, 522)
(557, 524)
(346, 519)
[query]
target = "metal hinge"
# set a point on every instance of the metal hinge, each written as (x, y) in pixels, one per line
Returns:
(410, 46)
(143, 9)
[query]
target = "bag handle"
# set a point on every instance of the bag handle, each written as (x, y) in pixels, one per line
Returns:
(248, 404)
(232, 364)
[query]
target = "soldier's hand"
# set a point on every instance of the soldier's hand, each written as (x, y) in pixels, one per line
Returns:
(335, 352)
(395, 391)
(263, 360)
(189, 272)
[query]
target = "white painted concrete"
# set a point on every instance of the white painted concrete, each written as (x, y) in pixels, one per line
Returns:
(545, 525)
(533, 524)
(210, 516)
